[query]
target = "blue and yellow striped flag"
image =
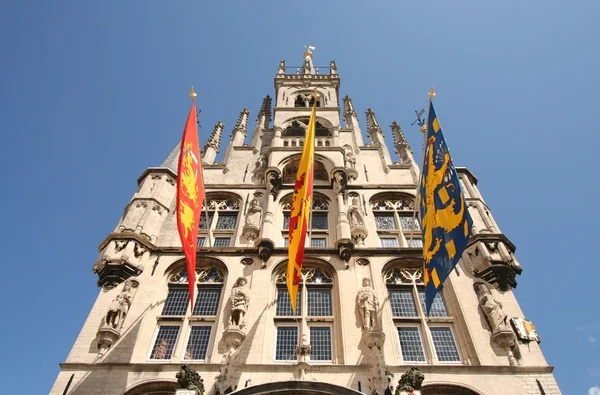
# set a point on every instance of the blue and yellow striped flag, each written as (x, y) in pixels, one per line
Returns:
(445, 219)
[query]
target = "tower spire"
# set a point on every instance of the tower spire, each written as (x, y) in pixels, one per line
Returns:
(212, 145)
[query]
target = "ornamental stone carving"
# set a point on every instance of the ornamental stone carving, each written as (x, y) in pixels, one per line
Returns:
(188, 378)
(119, 307)
(410, 381)
(339, 182)
(240, 297)
(356, 216)
(492, 308)
(253, 220)
(497, 319)
(368, 305)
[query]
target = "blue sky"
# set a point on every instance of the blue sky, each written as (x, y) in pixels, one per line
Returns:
(92, 93)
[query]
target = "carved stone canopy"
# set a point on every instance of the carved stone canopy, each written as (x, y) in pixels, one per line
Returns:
(112, 273)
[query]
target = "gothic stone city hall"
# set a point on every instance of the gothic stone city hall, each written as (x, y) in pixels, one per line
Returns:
(360, 323)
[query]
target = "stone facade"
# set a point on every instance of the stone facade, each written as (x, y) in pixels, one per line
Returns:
(364, 202)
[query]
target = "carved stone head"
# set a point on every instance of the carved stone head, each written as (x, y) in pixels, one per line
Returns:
(241, 282)
(366, 282)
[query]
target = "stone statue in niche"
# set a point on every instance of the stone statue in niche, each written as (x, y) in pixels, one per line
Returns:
(254, 214)
(492, 309)
(355, 212)
(240, 297)
(261, 161)
(339, 182)
(350, 160)
(117, 312)
(368, 304)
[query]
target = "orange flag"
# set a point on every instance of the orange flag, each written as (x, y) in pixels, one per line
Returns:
(301, 208)
(190, 195)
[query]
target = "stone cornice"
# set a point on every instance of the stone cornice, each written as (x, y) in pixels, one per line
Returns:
(163, 170)
(491, 237)
(337, 368)
(468, 173)
(127, 236)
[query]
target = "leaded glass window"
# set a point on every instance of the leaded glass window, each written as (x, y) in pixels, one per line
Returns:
(405, 287)
(320, 340)
(222, 241)
(177, 302)
(222, 216)
(318, 242)
(319, 302)
(207, 301)
(201, 241)
(226, 221)
(165, 342)
(319, 222)
(403, 303)
(286, 221)
(284, 305)
(407, 223)
(438, 307)
(203, 220)
(389, 242)
(410, 344)
(444, 344)
(287, 340)
(385, 221)
(198, 342)
(415, 243)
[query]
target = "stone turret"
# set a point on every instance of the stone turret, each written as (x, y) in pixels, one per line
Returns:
(211, 149)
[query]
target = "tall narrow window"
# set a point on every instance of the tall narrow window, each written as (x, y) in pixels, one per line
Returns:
(319, 236)
(175, 318)
(407, 300)
(394, 221)
(222, 221)
(319, 313)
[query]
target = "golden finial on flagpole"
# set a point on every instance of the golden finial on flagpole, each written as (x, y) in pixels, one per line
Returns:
(316, 94)
(192, 93)
(431, 93)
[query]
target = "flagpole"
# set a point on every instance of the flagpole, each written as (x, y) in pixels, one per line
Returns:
(417, 206)
(193, 96)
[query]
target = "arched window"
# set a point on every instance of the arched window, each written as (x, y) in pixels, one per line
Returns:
(176, 314)
(393, 215)
(298, 129)
(421, 338)
(223, 214)
(299, 101)
(319, 236)
(290, 171)
(316, 306)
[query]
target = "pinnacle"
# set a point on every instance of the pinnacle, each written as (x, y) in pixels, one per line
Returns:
(214, 140)
(242, 123)
(348, 107)
(372, 124)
